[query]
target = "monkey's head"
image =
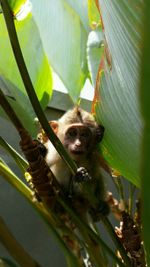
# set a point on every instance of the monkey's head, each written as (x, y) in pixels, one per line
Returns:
(78, 132)
(80, 140)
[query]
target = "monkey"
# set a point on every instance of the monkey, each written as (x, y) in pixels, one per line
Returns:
(80, 134)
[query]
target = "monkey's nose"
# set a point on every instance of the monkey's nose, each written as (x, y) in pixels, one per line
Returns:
(78, 143)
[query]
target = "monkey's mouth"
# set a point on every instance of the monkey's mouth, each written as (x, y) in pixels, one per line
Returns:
(77, 152)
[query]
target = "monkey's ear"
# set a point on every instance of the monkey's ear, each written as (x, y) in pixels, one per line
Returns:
(54, 125)
(99, 133)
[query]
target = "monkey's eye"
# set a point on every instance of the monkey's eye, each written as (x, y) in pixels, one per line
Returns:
(72, 132)
(86, 133)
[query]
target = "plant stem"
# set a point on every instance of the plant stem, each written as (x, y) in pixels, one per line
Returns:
(121, 190)
(29, 86)
(132, 189)
(15, 248)
(21, 162)
(9, 111)
(119, 186)
(116, 241)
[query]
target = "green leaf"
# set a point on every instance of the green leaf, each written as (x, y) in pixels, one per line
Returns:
(118, 108)
(36, 62)
(81, 8)
(64, 39)
(145, 106)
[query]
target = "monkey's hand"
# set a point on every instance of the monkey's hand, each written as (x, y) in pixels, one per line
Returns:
(81, 175)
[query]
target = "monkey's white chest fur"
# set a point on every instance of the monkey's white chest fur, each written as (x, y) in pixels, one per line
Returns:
(57, 166)
(63, 177)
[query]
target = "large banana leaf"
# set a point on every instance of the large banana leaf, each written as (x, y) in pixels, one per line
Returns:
(81, 9)
(117, 97)
(119, 102)
(37, 64)
(64, 38)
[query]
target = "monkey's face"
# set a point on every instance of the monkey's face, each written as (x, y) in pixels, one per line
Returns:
(77, 141)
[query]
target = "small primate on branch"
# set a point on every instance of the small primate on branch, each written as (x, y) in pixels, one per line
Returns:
(80, 134)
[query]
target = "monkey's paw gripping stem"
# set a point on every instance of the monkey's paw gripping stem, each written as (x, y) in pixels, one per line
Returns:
(43, 181)
(82, 175)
